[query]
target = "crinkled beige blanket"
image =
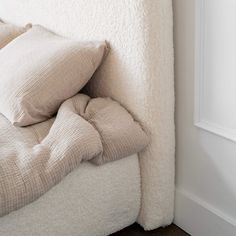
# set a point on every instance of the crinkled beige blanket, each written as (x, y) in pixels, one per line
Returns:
(35, 158)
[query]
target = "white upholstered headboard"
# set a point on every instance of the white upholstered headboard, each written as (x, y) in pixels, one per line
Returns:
(138, 72)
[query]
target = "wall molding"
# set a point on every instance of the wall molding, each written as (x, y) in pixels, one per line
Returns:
(200, 53)
(198, 218)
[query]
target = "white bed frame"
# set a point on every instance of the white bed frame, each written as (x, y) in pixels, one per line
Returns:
(138, 73)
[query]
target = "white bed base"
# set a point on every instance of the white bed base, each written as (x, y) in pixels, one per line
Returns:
(90, 201)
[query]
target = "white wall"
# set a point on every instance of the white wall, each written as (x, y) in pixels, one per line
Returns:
(205, 162)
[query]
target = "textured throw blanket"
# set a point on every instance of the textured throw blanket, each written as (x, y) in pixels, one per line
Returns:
(35, 158)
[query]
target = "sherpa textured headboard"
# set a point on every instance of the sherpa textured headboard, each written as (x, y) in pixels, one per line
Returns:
(138, 73)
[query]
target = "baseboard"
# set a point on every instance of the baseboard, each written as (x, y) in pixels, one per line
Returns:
(198, 218)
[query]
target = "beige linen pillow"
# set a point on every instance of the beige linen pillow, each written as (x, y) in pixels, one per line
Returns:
(39, 70)
(8, 32)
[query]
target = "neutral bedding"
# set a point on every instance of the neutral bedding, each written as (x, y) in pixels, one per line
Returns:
(35, 158)
(90, 201)
(46, 127)
(40, 69)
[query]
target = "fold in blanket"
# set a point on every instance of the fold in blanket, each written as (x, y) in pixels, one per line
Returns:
(35, 158)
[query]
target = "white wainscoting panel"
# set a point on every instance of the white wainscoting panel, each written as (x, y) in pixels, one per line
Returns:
(215, 67)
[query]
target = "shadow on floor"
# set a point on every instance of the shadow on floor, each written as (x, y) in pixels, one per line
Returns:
(136, 230)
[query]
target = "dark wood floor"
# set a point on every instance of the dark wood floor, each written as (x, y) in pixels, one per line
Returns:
(136, 230)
